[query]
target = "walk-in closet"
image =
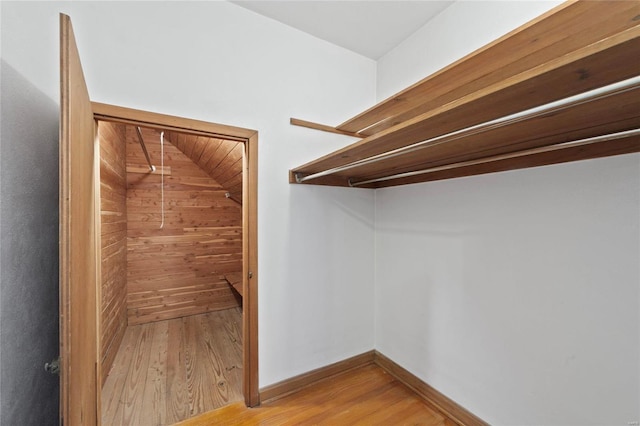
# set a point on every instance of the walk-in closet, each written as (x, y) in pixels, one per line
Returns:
(171, 264)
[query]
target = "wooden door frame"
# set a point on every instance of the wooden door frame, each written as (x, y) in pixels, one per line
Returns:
(249, 138)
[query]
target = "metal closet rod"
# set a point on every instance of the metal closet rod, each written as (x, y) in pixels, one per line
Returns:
(144, 149)
(540, 150)
(552, 107)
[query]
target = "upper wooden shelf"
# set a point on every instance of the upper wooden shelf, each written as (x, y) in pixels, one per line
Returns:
(557, 65)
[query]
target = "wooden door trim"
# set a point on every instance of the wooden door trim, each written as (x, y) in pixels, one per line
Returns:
(136, 117)
(249, 138)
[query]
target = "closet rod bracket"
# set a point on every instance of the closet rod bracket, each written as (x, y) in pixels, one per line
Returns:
(152, 168)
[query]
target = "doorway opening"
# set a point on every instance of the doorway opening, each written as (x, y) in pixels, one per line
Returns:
(177, 317)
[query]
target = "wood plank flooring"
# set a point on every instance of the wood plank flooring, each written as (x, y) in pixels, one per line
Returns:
(168, 371)
(362, 396)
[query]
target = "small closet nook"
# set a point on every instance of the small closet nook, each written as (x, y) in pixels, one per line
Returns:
(563, 87)
(170, 293)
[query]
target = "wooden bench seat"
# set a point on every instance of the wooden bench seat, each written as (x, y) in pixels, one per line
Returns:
(235, 281)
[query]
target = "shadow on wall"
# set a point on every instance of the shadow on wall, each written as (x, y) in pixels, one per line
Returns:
(28, 252)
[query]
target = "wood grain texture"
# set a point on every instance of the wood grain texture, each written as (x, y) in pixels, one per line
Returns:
(168, 371)
(250, 272)
(117, 375)
(554, 127)
(340, 394)
(249, 207)
(113, 236)
(365, 395)
(176, 399)
(144, 169)
(435, 399)
(235, 281)
(295, 384)
(318, 126)
(531, 159)
(221, 159)
(79, 241)
(136, 117)
(178, 270)
(575, 48)
(558, 32)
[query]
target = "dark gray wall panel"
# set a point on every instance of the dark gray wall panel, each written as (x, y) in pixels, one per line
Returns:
(28, 252)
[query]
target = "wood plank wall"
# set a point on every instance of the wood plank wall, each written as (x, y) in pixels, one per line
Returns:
(113, 214)
(220, 159)
(177, 270)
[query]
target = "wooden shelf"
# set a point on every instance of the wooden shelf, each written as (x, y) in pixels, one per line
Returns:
(574, 48)
(235, 281)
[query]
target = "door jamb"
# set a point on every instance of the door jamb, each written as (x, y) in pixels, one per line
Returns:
(249, 138)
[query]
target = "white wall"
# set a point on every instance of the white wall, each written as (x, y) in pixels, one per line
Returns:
(457, 31)
(516, 294)
(219, 62)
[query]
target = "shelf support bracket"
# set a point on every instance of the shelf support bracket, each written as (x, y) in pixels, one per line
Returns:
(323, 127)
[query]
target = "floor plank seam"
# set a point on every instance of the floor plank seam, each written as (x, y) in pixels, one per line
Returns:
(167, 371)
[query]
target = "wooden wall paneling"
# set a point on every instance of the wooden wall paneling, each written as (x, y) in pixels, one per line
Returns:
(249, 208)
(219, 158)
(232, 162)
(113, 235)
(198, 149)
(144, 169)
(189, 142)
(175, 139)
(221, 152)
(231, 166)
(210, 150)
(178, 270)
(236, 188)
(231, 179)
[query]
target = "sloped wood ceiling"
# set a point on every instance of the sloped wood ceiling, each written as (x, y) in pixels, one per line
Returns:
(220, 159)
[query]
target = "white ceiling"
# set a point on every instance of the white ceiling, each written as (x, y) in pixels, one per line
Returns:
(371, 28)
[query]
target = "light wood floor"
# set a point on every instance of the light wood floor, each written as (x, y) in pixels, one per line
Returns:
(363, 396)
(171, 370)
